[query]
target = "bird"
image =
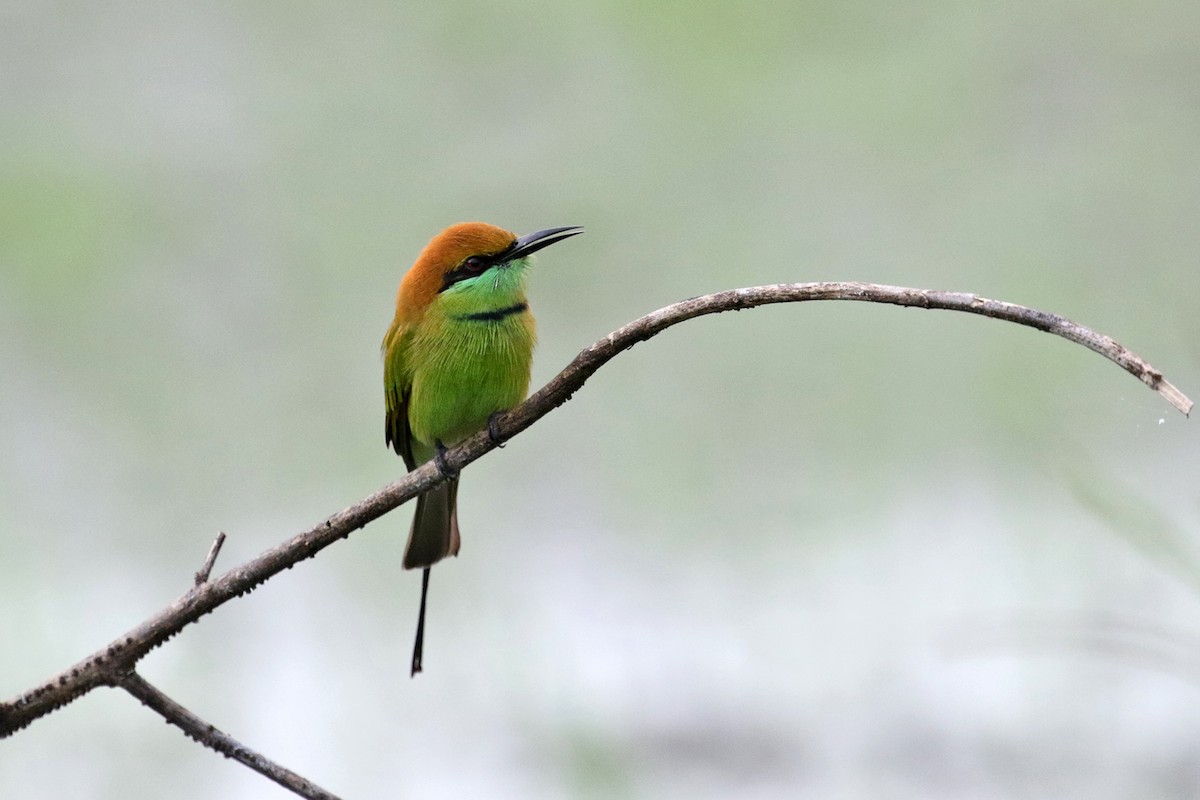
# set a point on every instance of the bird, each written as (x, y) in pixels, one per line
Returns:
(457, 354)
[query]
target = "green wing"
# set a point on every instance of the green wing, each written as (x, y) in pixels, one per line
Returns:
(396, 393)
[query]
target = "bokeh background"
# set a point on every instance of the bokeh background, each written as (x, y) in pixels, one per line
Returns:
(831, 550)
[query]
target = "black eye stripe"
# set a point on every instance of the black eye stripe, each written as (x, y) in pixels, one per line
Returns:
(472, 267)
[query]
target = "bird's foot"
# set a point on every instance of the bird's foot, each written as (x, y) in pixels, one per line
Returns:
(439, 458)
(494, 429)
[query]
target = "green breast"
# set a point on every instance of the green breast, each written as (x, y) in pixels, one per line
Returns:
(467, 365)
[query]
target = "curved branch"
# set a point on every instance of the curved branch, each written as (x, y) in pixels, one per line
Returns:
(106, 667)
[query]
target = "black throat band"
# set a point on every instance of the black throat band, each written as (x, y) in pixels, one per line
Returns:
(494, 315)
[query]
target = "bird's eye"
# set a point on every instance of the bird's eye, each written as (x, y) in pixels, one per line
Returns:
(474, 265)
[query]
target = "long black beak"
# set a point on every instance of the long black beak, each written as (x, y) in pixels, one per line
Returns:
(532, 242)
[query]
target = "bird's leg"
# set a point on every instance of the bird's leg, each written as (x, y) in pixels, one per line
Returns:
(419, 641)
(494, 428)
(439, 458)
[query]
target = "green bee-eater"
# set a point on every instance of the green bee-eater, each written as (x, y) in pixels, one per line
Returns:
(457, 352)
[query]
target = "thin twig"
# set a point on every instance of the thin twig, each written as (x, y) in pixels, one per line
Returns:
(103, 667)
(200, 731)
(210, 559)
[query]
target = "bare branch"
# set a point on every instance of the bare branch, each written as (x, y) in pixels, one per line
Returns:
(200, 731)
(211, 559)
(104, 667)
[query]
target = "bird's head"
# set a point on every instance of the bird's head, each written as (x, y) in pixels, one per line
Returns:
(473, 260)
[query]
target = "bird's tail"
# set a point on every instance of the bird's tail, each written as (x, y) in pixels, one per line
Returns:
(434, 533)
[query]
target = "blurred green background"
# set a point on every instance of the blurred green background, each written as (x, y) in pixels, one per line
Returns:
(830, 550)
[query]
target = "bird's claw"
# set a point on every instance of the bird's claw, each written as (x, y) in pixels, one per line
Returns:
(439, 458)
(494, 429)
